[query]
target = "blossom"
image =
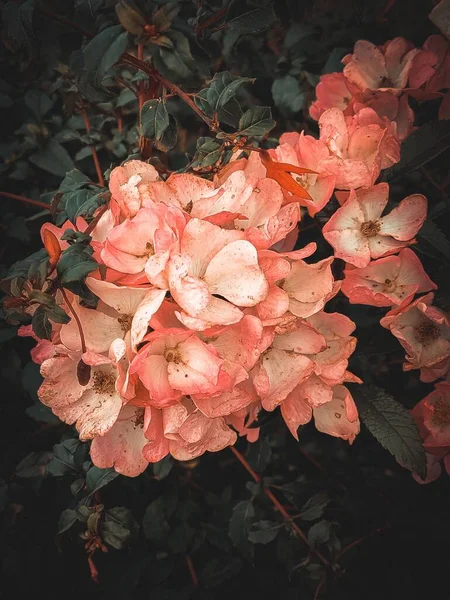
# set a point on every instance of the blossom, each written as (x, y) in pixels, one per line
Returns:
(423, 330)
(393, 280)
(380, 68)
(128, 185)
(358, 232)
(431, 66)
(359, 145)
(333, 91)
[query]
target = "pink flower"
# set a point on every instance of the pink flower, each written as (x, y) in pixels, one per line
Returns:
(93, 408)
(145, 242)
(191, 434)
(358, 233)
(332, 91)
(434, 414)
(360, 146)
(431, 66)
(334, 410)
(393, 280)
(380, 68)
(121, 447)
(386, 106)
(304, 151)
(175, 362)
(128, 185)
(214, 261)
(423, 330)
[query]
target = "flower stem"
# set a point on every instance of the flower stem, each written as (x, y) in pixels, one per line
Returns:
(191, 568)
(278, 505)
(26, 200)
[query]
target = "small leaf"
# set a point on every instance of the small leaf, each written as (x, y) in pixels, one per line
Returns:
(256, 122)
(208, 153)
(263, 532)
(97, 478)
(392, 425)
(315, 506)
(66, 520)
(319, 533)
(130, 17)
(41, 324)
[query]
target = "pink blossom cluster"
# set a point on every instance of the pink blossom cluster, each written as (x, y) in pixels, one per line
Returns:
(200, 323)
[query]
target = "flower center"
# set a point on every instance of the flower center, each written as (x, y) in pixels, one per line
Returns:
(172, 356)
(303, 180)
(427, 332)
(389, 285)
(370, 228)
(188, 207)
(104, 383)
(125, 322)
(139, 418)
(385, 82)
(441, 413)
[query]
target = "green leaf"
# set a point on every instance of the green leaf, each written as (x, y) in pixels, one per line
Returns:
(259, 454)
(66, 520)
(39, 103)
(97, 478)
(419, 148)
(256, 122)
(208, 153)
(53, 158)
(432, 235)
(119, 527)
(176, 63)
(239, 527)
(75, 263)
(93, 62)
(17, 25)
(222, 89)
(264, 532)
(73, 180)
(41, 324)
(158, 125)
(155, 525)
(288, 95)
(392, 425)
(63, 460)
(315, 506)
(243, 19)
(219, 570)
(319, 533)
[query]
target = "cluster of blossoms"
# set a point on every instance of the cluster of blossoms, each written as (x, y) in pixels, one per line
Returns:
(207, 314)
(381, 271)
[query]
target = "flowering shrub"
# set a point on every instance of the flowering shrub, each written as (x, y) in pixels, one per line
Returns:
(211, 277)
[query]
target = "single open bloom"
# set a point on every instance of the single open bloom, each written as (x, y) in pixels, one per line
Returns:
(380, 68)
(423, 330)
(388, 281)
(358, 232)
(359, 145)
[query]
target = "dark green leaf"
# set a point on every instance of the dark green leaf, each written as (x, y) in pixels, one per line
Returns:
(259, 454)
(392, 425)
(39, 103)
(177, 62)
(156, 527)
(314, 507)
(75, 263)
(240, 523)
(53, 158)
(41, 324)
(222, 89)
(97, 478)
(220, 570)
(288, 96)
(263, 532)
(243, 18)
(66, 520)
(208, 153)
(17, 25)
(63, 459)
(256, 122)
(180, 538)
(73, 180)
(118, 527)
(433, 236)
(420, 147)
(319, 533)
(162, 468)
(158, 125)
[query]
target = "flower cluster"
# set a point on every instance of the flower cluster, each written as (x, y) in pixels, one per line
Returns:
(207, 312)
(200, 322)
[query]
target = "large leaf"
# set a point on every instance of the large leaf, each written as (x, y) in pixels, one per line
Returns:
(419, 148)
(392, 425)
(53, 158)
(256, 122)
(93, 62)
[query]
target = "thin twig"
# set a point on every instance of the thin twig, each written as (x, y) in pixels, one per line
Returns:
(26, 200)
(192, 572)
(98, 169)
(320, 586)
(278, 505)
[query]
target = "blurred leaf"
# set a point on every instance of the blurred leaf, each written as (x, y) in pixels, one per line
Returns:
(53, 158)
(242, 18)
(419, 148)
(39, 103)
(319, 533)
(155, 525)
(315, 506)
(162, 468)
(239, 527)
(288, 95)
(66, 520)
(259, 454)
(392, 425)
(219, 570)
(176, 63)
(431, 233)
(97, 478)
(17, 25)
(256, 122)
(130, 16)
(264, 532)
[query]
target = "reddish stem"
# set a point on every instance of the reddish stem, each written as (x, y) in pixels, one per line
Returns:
(192, 572)
(25, 200)
(98, 169)
(90, 228)
(76, 317)
(277, 504)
